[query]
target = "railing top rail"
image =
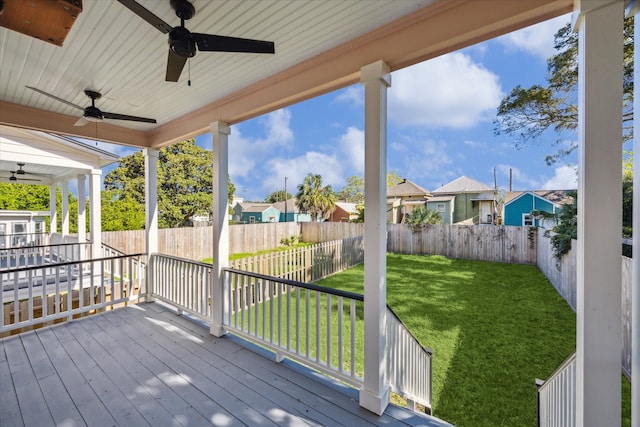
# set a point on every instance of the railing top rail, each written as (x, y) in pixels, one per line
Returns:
(43, 246)
(336, 292)
(569, 360)
(177, 258)
(66, 263)
(427, 349)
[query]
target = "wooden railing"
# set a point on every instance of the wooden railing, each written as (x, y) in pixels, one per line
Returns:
(182, 283)
(557, 396)
(304, 322)
(409, 369)
(8, 241)
(306, 264)
(44, 293)
(43, 254)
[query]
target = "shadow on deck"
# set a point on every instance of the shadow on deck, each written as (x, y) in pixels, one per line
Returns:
(144, 365)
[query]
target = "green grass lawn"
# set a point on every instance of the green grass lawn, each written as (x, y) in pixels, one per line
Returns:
(493, 327)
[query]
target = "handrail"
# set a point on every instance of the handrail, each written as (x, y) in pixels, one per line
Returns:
(310, 286)
(557, 396)
(42, 246)
(426, 349)
(67, 263)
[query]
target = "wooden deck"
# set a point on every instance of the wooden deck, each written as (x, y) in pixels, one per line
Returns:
(143, 365)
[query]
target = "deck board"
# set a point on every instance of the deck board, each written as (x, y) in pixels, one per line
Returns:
(144, 365)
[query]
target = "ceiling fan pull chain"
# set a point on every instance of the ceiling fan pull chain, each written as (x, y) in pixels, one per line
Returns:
(189, 70)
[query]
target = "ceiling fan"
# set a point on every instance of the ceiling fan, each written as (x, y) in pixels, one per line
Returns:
(182, 42)
(13, 177)
(93, 113)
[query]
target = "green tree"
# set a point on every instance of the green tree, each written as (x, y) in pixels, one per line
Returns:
(566, 228)
(527, 113)
(278, 196)
(185, 186)
(393, 178)
(421, 216)
(315, 198)
(353, 192)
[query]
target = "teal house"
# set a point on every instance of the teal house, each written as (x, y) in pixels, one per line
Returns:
(518, 206)
(291, 212)
(253, 213)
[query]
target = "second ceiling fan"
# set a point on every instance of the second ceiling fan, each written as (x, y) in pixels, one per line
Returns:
(182, 42)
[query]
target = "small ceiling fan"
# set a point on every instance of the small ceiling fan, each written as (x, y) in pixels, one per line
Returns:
(14, 178)
(93, 113)
(182, 42)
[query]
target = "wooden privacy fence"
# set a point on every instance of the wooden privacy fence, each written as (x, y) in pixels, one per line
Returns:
(476, 242)
(316, 232)
(563, 276)
(306, 264)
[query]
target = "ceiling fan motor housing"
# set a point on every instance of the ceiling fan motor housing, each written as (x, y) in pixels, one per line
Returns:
(181, 42)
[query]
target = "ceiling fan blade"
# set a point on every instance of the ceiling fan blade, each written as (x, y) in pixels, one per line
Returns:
(29, 179)
(213, 43)
(143, 13)
(71, 104)
(81, 122)
(175, 64)
(115, 116)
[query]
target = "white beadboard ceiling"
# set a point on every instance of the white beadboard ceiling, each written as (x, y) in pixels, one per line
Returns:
(111, 50)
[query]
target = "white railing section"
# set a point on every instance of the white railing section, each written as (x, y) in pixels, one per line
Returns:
(40, 294)
(28, 256)
(557, 396)
(183, 283)
(8, 241)
(409, 369)
(311, 324)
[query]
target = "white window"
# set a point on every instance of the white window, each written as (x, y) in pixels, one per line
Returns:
(440, 207)
(3, 231)
(527, 219)
(19, 231)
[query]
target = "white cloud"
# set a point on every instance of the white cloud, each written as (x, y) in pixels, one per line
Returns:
(245, 153)
(295, 169)
(449, 91)
(537, 39)
(475, 144)
(565, 178)
(352, 145)
(353, 95)
(422, 159)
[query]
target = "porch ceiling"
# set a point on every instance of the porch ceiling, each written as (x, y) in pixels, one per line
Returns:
(320, 46)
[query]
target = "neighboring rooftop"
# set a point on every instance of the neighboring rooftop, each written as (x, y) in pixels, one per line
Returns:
(559, 197)
(406, 188)
(463, 184)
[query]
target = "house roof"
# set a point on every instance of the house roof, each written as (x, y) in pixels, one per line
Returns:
(291, 205)
(483, 197)
(347, 207)
(557, 197)
(255, 207)
(463, 184)
(320, 47)
(406, 189)
(441, 199)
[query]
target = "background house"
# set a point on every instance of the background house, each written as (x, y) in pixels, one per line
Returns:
(344, 212)
(518, 206)
(403, 198)
(444, 206)
(251, 213)
(292, 213)
(473, 201)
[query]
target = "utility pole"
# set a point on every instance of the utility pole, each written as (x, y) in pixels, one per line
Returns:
(285, 199)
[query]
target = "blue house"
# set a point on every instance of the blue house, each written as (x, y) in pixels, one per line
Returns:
(252, 213)
(291, 213)
(519, 205)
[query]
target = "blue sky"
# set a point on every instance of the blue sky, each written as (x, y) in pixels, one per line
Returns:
(440, 126)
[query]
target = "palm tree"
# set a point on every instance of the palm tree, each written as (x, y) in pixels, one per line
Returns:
(312, 197)
(422, 216)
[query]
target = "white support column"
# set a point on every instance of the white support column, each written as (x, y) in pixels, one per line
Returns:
(599, 260)
(635, 278)
(219, 305)
(374, 394)
(65, 208)
(151, 212)
(82, 203)
(53, 213)
(95, 213)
